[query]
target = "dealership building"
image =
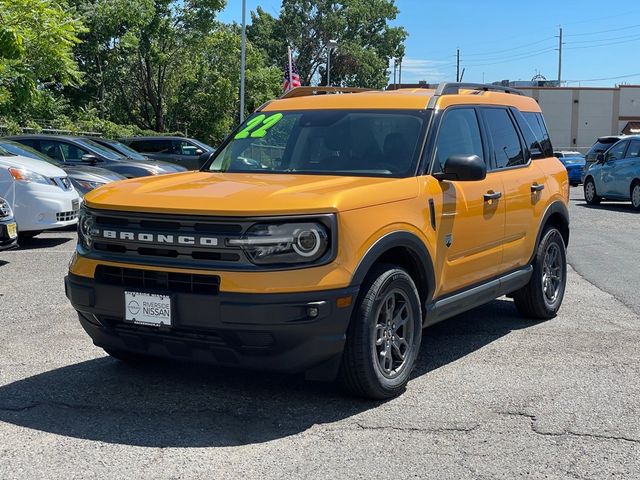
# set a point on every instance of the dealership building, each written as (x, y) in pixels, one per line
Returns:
(576, 116)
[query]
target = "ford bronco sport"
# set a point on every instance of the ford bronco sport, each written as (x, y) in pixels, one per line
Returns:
(327, 231)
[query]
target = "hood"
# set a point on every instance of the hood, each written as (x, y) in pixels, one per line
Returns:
(92, 174)
(162, 167)
(243, 194)
(38, 166)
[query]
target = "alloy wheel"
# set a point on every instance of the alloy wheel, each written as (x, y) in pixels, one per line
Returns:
(589, 191)
(635, 196)
(393, 341)
(552, 273)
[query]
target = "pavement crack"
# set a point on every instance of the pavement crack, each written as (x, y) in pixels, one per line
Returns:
(418, 429)
(567, 433)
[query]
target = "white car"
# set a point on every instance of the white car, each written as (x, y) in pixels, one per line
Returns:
(40, 194)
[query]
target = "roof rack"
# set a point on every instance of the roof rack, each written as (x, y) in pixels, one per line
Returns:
(453, 88)
(309, 91)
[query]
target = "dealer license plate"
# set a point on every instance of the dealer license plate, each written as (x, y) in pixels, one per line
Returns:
(147, 308)
(12, 230)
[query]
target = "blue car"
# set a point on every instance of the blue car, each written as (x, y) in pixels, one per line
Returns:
(574, 163)
(616, 174)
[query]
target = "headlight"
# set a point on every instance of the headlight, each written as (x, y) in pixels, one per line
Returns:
(5, 209)
(24, 175)
(85, 186)
(86, 228)
(284, 243)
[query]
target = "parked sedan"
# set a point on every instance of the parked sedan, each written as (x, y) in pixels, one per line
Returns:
(616, 174)
(75, 151)
(131, 154)
(179, 150)
(574, 163)
(40, 194)
(8, 226)
(83, 177)
(601, 145)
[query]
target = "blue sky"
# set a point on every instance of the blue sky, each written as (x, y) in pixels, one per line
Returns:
(504, 40)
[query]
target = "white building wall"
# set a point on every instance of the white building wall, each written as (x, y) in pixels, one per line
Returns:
(556, 107)
(595, 116)
(630, 101)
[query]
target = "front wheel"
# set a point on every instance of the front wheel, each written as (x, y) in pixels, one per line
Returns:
(384, 335)
(542, 296)
(590, 194)
(635, 195)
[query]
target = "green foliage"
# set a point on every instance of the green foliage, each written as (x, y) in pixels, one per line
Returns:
(361, 27)
(128, 67)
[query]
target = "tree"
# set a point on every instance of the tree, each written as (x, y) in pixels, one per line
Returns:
(366, 40)
(37, 38)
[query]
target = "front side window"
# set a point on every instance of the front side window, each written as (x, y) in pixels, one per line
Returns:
(507, 149)
(186, 148)
(325, 142)
(152, 146)
(634, 149)
(459, 134)
(617, 151)
(63, 152)
(537, 125)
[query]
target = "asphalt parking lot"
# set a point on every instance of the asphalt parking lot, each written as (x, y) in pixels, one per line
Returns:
(493, 395)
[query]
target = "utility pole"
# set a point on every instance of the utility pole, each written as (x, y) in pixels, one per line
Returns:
(560, 57)
(243, 55)
(458, 65)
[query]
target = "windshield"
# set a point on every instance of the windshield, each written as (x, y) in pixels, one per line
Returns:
(325, 142)
(26, 151)
(204, 146)
(104, 151)
(128, 151)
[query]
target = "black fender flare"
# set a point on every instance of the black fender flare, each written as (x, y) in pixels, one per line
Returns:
(402, 239)
(557, 207)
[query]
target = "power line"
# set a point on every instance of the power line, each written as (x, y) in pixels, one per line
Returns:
(635, 39)
(541, 52)
(602, 31)
(598, 40)
(602, 79)
(509, 49)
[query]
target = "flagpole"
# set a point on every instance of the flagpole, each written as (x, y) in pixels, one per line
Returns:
(290, 69)
(243, 57)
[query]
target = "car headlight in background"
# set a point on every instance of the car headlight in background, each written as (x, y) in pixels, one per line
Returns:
(27, 176)
(284, 243)
(85, 186)
(5, 209)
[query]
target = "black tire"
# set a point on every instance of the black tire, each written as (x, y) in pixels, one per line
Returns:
(635, 195)
(127, 357)
(361, 372)
(590, 194)
(533, 300)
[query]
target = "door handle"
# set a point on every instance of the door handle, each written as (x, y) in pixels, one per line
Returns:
(536, 187)
(491, 195)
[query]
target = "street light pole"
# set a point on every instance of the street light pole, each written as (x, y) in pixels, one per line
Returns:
(331, 44)
(243, 58)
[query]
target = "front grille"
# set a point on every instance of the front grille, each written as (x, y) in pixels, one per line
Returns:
(66, 216)
(156, 280)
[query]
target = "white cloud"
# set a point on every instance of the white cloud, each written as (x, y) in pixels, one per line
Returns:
(415, 69)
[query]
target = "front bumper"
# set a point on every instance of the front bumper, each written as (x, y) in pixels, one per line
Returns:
(256, 331)
(43, 207)
(6, 242)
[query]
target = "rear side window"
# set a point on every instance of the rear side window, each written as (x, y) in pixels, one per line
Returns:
(459, 134)
(152, 146)
(539, 129)
(507, 149)
(634, 149)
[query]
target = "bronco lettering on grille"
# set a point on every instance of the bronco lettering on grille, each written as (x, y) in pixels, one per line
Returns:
(160, 238)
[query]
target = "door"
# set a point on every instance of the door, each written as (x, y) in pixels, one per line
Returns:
(513, 146)
(187, 154)
(608, 171)
(470, 227)
(625, 170)
(62, 151)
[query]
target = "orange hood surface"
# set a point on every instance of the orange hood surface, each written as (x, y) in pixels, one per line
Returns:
(249, 194)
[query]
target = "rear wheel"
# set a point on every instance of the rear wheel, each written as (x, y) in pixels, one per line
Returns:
(635, 195)
(384, 335)
(542, 296)
(590, 194)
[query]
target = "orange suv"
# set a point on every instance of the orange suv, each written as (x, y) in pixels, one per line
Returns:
(327, 231)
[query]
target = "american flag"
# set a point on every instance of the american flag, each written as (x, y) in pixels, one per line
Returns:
(294, 81)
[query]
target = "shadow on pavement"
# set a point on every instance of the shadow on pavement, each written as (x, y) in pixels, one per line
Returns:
(168, 405)
(44, 242)
(612, 207)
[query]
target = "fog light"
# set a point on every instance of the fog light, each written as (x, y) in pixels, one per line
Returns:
(313, 312)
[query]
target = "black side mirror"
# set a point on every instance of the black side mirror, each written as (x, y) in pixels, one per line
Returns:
(199, 151)
(90, 158)
(600, 158)
(463, 168)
